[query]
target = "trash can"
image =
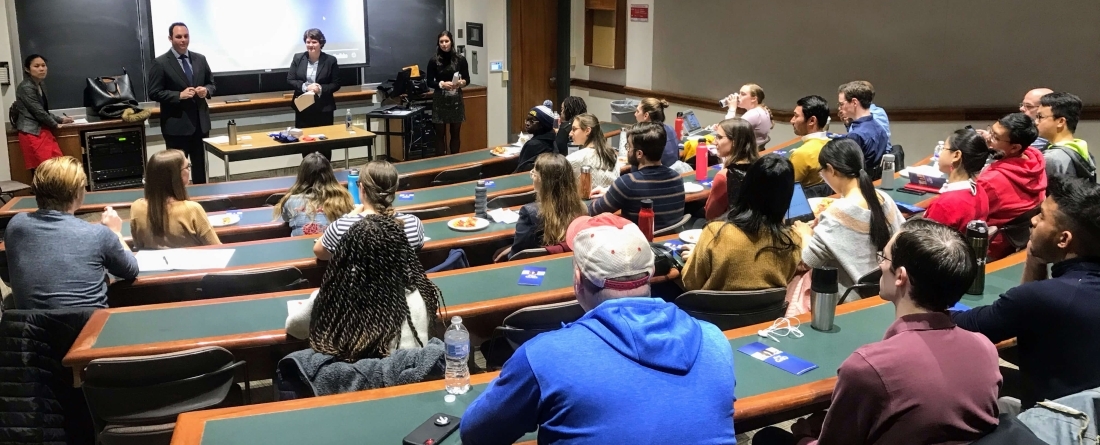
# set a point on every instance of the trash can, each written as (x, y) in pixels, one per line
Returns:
(622, 111)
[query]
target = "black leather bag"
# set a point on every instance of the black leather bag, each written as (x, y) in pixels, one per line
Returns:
(108, 90)
(664, 259)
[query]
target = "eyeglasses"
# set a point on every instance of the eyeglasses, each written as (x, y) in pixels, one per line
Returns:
(187, 166)
(1028, 106)
(882, 257)
(1041, 116)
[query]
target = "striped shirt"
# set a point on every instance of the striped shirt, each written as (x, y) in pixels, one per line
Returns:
(414, 230)
(661, 184)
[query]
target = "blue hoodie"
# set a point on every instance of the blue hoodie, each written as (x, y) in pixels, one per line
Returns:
(632, 370)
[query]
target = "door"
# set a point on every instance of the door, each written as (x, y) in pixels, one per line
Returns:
(533, 40)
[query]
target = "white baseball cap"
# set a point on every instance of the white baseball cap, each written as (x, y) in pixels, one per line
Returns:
(606, 247)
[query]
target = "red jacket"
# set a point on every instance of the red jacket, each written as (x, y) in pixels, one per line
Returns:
(957, 207)
(1013, 187)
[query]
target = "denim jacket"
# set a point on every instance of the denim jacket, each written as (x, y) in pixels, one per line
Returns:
(1070, 420)
(302, 222)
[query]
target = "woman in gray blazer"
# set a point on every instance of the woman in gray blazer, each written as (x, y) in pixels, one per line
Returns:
(34, 121)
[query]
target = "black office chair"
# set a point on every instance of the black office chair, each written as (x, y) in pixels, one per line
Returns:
(734, 309)
(274, 199)
(1018, 231)
(456, 175)
(426, 214)
(216, 205)
(8, 189)
(135, 400)
(866, 286)
(252, 281)
(899, 157)
(675, 228)
(525, 324)
(514, 200)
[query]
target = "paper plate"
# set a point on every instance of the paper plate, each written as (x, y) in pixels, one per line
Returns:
(479, 224)
(224, 219)
(691, 187)
(691, 236)
(508, 152)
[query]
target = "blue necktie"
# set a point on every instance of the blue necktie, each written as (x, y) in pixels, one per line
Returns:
(187, 70)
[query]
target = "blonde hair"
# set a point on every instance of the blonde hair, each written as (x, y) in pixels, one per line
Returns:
(58, 183)
(317, 182)
(758, 93)
(557, 197)
(655, 108)
(597, 140)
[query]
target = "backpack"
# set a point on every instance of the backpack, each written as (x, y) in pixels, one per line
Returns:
(1081, 166)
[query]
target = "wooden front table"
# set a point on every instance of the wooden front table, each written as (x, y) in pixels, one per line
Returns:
(260, 145)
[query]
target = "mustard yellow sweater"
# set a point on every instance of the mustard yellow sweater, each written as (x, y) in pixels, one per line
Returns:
(726, 259)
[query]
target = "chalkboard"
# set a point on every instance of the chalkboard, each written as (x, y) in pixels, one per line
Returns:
(89, 38)
(81, 39)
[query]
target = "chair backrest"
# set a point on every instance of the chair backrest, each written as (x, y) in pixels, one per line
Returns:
(866, 286)
(734, 309)
(216, 205)
(514, 200)
(132, 390)
(456, 259)
(529, 253)
(899, 155)
(1018, 231)
(253, 281)
(426, 214)
(274, 199)
(456, 175)
(526, 323)
(675, 228)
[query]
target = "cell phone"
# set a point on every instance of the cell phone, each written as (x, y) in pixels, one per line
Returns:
(910, 191)
(433, 430)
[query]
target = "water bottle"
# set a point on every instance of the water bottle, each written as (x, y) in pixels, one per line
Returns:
(679, 125)
(585, 186)
(887, 182)
(977, 235)
(645, 219)
(232, 127)
(702, 152)
(457, 339)
(825, 295)
(347, 120)
(936, 153)
(353, 185)
(479, 200)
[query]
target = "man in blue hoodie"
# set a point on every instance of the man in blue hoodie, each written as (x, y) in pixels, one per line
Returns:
(634, 369)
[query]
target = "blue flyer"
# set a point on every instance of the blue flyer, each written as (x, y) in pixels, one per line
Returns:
(490, 183)
(777, 358)
(674, 243)
(404, 196)
(532, 276)
(707, 183)
(959, 307)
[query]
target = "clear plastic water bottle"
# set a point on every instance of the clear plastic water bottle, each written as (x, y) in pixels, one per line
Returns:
(347, 120)
(936, 153)
(457, 339)
(479, 200)
(353, 185)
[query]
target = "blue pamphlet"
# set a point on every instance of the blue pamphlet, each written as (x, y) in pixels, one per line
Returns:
(707, 183)
(959, 307)
(908, 208)
(532, 276)
(777, 358)
(717, 167)
(674, 243)
(404, 196)
(490, 183)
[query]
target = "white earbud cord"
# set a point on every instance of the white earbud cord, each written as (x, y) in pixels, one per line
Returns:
(782, 327)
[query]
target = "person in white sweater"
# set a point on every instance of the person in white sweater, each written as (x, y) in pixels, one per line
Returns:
(596, 153)
(751, 99)
(849, 234)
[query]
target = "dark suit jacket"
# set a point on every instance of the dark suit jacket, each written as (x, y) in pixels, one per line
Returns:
(327, 77)
(166, 80)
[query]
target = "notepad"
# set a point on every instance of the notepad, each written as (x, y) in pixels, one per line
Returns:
(183, 259)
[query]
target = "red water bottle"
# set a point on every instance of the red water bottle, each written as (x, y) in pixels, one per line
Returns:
(679, 125)
(645, 219)
(702, 152)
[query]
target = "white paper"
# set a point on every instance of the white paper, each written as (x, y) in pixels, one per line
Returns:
(225, 139)
(926, 170)
(80, 121)
(505, 216)
(183, 259)
(305, 100)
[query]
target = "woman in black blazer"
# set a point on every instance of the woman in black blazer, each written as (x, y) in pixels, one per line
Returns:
(318, 72)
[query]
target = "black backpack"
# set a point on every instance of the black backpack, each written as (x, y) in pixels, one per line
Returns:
(1081, 166)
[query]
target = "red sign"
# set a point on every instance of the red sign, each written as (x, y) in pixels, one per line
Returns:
(639, 13)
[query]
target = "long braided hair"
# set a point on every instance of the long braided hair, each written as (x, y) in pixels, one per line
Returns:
(361, 306)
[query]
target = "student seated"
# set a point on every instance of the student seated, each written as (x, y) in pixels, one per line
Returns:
(855, 102)
(1053, 316)
(738, 150)
(1030, 106)
(811, 116)
(653, 110)
(857, 225)
(751, 99)
(652, 180)
(571, 107)
(927, 381)
(540, 125)
(165, 218)
(315, 199)
(557, 203)
(55, 259)
(632, 367)
(1066, 155)
(595, 152)
(377, 190)
(1015, 182)
(750, 247)
(961, 200)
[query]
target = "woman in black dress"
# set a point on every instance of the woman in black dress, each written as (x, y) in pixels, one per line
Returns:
(448, 109)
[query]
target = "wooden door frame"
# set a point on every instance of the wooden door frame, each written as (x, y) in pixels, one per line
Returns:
(561, 70)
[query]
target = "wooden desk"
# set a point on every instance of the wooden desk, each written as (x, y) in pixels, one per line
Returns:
(260, 145)
(765, 394)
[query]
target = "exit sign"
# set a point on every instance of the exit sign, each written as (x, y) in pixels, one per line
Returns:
(639, 13)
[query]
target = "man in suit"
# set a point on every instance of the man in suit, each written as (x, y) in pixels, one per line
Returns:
(182, 82)
(317, 72)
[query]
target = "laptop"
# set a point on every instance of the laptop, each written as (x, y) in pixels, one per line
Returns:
(800, 209)
(692, 126)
